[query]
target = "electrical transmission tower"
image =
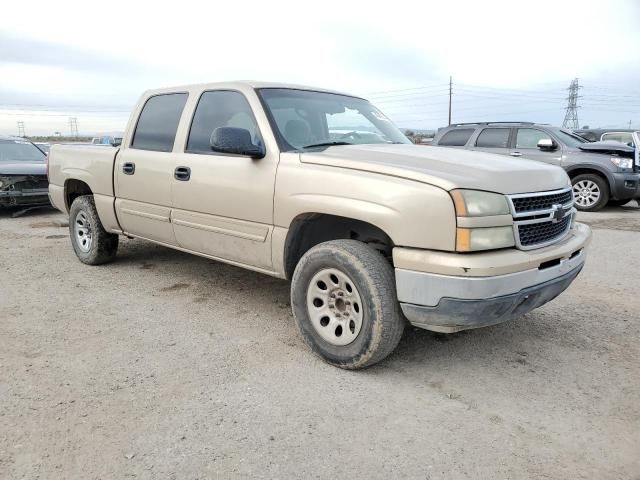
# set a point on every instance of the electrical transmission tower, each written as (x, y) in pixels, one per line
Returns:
(73, 126)
(571, 115)
(21, 129)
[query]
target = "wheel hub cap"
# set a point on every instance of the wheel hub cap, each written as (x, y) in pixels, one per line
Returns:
(587, 193)
(335, 307)
(83, 232)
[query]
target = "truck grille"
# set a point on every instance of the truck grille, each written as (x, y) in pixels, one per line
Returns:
(541, 202)
(541, 218)
(543, 232)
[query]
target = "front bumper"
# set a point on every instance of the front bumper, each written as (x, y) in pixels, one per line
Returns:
(35, 196)
(625, 186)
(450, 303)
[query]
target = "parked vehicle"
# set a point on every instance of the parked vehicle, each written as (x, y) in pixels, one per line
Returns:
(600, 173)
(369, 230)
(111, 139)
(23, 176)
(45, 147)
(599, 134)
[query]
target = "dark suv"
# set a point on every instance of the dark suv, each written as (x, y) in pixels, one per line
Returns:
(601, 172)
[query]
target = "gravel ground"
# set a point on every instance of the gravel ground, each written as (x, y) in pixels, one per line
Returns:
(166, 365)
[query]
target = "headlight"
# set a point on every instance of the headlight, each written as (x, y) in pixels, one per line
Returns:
(490, 238)
(475, 203)
(622, 162)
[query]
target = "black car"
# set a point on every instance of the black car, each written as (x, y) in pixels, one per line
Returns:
(23, 173)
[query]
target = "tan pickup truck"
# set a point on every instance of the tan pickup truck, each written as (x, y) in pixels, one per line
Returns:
(320, 188)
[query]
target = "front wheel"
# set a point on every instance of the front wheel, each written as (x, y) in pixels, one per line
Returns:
(91, 242)
(590, 191)
(344, 301)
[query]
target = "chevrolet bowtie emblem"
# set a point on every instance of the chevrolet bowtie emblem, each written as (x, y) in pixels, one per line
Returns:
(557, 214)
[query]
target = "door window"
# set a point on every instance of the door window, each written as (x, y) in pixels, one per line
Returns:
(493, 138)
(529, 137)
(158, 122)
(456, 138)
(222, 108)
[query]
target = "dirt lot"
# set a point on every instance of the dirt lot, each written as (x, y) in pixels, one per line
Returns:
(165, 365)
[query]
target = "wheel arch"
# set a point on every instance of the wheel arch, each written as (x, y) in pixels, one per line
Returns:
(74, 188)
(312, 228)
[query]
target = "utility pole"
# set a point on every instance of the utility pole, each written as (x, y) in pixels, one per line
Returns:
(21, 129)
(73, 126)
(571, 114)
(629, 124)
(450, 93)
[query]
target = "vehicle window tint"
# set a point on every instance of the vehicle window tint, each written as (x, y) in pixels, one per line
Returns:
(220, 109)
(158, 122)
(529, 137)
(493, 138)
(622, 137)
(456, 138)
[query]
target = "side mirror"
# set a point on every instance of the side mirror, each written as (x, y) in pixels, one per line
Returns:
(236, 141)
(547, 144)
(116, 142)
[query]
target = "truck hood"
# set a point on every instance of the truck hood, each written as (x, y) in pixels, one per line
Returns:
(23, 168)
(447, 168)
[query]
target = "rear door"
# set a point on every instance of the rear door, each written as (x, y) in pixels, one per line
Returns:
(493, 140)
(144, 170)
(526, 146)
(224, 206)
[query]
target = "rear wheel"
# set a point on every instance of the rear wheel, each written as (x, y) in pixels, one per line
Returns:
(344, 301)
(590, 191)
(91, 242)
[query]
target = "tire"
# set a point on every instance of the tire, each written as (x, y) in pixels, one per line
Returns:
(618, 203)
(371, 324)
(589, 182)
(91, 242)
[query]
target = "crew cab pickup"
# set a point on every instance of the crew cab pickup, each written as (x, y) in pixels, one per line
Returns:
(371, 230)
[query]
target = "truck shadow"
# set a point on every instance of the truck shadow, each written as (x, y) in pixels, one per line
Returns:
(205, 280)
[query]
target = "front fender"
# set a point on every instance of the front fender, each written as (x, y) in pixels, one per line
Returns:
(411, 213)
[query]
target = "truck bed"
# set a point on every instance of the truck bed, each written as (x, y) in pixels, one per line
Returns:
(92, 165)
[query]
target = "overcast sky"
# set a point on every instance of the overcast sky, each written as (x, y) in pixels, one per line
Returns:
(509, 60)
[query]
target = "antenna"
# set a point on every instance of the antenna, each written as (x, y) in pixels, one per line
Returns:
(21, 129)
(571, 115)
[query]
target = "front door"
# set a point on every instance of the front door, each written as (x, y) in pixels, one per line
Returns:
(526, 146)
(222, 203)
(144, 170)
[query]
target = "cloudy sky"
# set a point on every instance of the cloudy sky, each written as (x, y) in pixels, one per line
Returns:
(509, 60)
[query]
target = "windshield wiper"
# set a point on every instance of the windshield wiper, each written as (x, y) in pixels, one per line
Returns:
(327, 144)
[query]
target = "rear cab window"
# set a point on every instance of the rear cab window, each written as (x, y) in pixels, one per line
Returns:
(158, 122)
(494, 138)
(622, 137)
(456, 138)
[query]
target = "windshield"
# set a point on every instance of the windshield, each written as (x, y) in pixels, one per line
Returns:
(568, 138)
(19, 151)
(305, 119)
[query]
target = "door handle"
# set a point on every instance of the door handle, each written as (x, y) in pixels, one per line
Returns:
(515, 154)
(182, 173)
(129, 168)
